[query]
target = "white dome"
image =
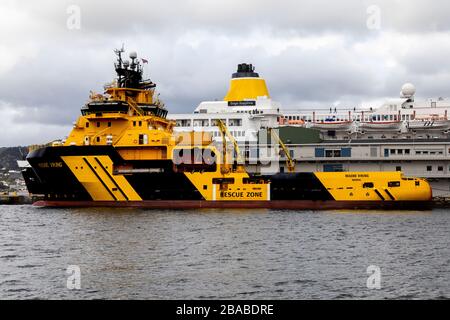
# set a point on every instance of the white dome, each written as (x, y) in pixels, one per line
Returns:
(408, 90)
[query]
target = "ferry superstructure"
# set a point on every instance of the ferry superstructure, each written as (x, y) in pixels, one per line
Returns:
(401, 135)
(123, 151)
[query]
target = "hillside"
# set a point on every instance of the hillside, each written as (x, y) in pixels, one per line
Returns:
(10, 155)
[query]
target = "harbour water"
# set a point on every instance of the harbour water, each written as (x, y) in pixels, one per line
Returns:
(218, 254)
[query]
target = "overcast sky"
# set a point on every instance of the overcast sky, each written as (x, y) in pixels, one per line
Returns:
(312, 53)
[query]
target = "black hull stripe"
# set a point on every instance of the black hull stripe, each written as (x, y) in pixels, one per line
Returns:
(98, 177)
(111, 178)
(379, 194)
(389, 194)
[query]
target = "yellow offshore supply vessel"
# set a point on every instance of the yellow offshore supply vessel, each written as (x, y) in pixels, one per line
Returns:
(122, 151)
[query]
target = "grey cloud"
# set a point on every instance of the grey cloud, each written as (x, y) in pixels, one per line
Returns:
(194, 46)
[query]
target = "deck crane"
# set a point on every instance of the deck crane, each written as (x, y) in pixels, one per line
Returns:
(225, 165)
(289, 161)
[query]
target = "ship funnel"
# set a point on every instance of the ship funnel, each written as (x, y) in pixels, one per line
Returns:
(246, 84)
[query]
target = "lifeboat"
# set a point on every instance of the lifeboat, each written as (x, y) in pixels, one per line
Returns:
(429, 122)
(380, 125)
(331, 125)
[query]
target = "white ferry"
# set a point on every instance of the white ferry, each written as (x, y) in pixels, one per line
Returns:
(401, 135)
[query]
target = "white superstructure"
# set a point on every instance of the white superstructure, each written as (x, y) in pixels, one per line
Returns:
(401, 135)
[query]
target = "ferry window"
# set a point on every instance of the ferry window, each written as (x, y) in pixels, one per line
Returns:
(407, 151)
(440, 168)
(418, 152)
(87, 124)
(392, 151)
(98, 139)
(398, 168)
(199, 123)
(400, 151)
(417, 183)
(394, 184)
(368, 185)
(109, 124)
(429, 168)
(141, 139)
(386, 152)
(134, 123)
(235, 122)
(140, 123)
(98, 124)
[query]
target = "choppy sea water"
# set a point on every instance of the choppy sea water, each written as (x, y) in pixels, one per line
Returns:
(223, 254)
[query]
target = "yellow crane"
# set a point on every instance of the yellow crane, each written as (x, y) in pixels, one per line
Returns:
(289, 161)
(225, 133)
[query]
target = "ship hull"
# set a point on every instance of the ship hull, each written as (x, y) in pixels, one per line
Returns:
(91, 177)
(273, 204)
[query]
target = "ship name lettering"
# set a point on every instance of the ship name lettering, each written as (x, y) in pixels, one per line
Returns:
(56, 164)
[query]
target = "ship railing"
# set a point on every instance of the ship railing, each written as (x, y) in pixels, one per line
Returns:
(134, 106)
(34, 147)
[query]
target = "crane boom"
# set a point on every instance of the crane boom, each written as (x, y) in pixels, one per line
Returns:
(289, 161)
(225, 133)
